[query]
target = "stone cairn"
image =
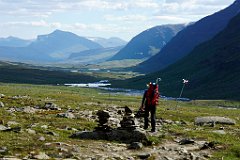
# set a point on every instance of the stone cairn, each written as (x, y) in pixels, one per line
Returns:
(128, 122)
(103, 117)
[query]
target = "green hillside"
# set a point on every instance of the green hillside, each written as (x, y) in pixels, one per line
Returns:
(19, 73)
(213, 69)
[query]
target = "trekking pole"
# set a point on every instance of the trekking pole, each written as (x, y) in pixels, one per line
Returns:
(180, 95)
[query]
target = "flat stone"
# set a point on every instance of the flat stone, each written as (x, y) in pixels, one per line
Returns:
(124, 136)
(214, 120)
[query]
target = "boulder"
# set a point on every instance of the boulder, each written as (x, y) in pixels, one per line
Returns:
(214, 120)
(66, 115)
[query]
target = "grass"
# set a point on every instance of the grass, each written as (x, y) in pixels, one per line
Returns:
(92, 99)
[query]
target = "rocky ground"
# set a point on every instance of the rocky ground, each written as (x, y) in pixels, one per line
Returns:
(164, 145)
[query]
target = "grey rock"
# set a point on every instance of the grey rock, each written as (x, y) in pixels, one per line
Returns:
(3, 149)
(41, 138)
(219, 131)
(12, 123)
(51, 106)
(66, 115)
(30, 131)
(135, 145)
(52, 133)
(41, 155)
(29, 109)
(144, 155)
(10, 158)
(44, 126)
(3, 128)
(214, 119)
(2, 95)
(1, 104)
(186, 141)
(167, 158)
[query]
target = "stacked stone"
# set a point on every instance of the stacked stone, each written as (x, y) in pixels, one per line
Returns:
(103, 117)
(128, 122)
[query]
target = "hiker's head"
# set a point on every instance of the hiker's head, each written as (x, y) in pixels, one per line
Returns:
(149, 84)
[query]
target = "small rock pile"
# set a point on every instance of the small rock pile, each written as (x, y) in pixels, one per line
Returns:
(103, 117)
(128, 122)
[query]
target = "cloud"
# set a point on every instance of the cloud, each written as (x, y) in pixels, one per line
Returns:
(126, 18)
(40, 23)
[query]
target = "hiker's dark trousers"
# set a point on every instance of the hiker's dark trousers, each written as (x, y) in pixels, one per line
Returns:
(152, 110)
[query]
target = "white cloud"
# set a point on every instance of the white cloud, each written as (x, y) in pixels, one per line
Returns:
(126, 18)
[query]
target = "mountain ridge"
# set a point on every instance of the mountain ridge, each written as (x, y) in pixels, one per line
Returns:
(188, 38)
(148, 42)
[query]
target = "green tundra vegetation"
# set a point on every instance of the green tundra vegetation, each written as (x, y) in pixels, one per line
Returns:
(82, 99)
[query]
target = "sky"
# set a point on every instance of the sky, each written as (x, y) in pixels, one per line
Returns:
(99, 18)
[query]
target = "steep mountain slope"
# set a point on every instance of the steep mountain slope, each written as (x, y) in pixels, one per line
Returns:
(213, 69)
(191, 36)
(14, 42)
(108, 43)
(148, 43)
(93, 56)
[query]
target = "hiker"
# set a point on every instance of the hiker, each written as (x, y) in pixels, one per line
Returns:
(149, 102)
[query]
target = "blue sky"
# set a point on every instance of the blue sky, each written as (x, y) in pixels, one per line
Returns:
(99, 18)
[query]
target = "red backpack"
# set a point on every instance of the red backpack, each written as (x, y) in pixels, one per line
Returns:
(152, 95)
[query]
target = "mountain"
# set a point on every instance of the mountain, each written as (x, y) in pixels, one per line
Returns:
(14, 42)
(55, 46)
(60, 44)
(213, 69)
(108, 43)
(93, 56)
(183, 43)
(148, 43)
